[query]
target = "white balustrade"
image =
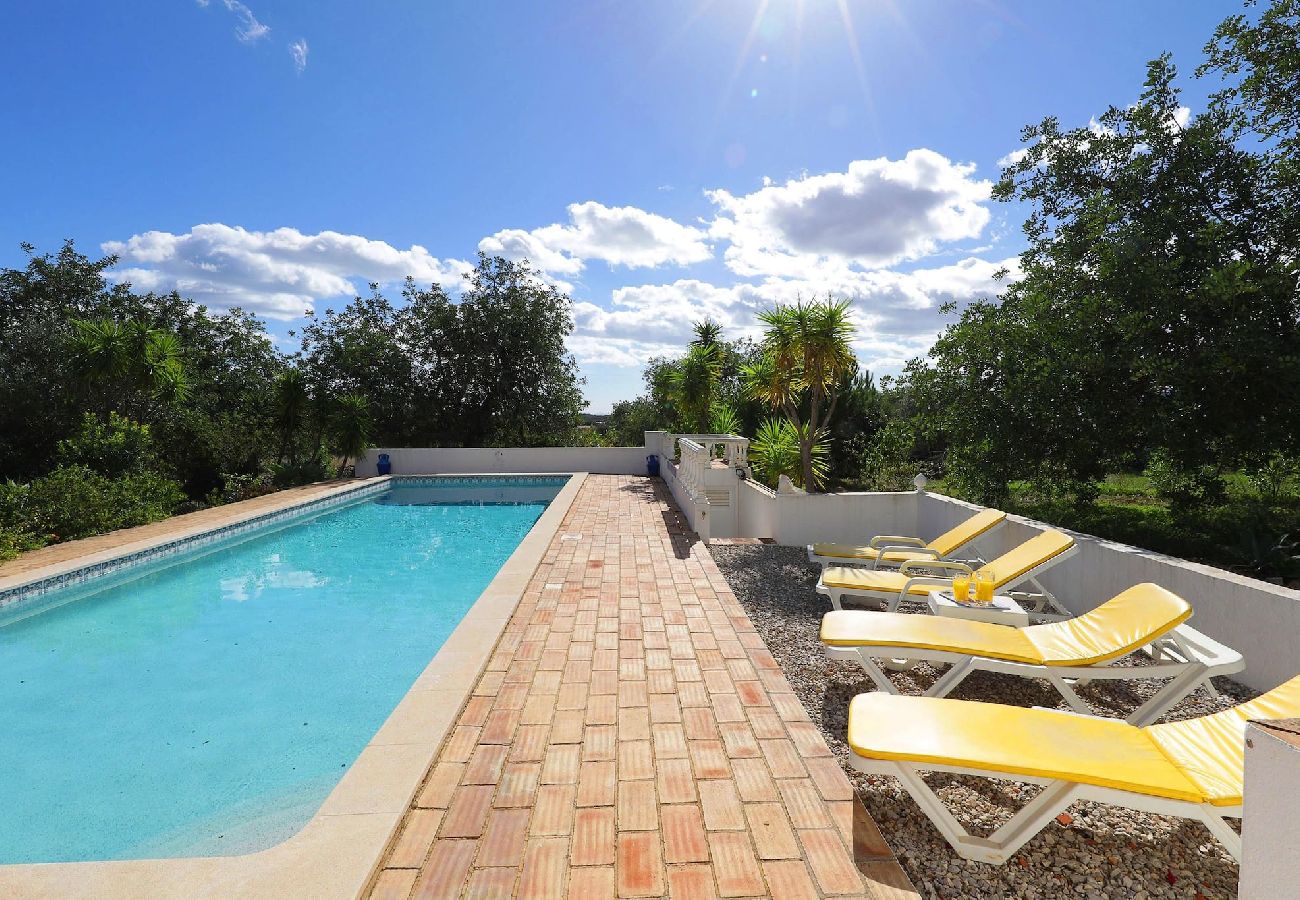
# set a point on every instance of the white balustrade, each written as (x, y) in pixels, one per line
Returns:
(730, 448)
(694, 461)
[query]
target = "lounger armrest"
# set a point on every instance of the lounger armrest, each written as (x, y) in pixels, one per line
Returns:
(895, 539)
(934, 580)
(912, 550)
(949, 565)
(883, 553)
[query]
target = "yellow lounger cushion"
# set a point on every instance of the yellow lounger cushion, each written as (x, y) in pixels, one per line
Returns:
(880, 580)
(1211, 749)
(1033, 552)
(1006, 568)
(1012, 740)
(945, 544)
(855, 627)
(1200, 760)
(963, 533)
(853, 551)
(1115, 629)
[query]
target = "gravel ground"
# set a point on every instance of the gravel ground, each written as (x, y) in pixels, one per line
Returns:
(1102, 852)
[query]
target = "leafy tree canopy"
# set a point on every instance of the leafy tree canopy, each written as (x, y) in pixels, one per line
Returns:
(1157, 309)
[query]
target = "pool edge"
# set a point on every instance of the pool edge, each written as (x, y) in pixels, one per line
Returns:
(340, 849)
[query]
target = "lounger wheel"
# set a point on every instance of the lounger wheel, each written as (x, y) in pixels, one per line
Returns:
(900, 665)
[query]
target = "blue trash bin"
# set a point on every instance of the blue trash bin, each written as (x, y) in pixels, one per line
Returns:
(384, 466)
(652, 465)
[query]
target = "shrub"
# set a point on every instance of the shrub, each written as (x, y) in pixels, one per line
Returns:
(886, 462)
(241, 487)
(15, 541)
(775, 452)
(112, 448)
(317, 467)
(76, 501)
(1184, 487)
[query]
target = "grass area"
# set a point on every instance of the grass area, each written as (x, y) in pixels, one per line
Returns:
(1247, 532)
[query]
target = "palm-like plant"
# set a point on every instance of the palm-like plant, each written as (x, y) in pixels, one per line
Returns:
(160, 364)
(723, 420)
(806, 354)
(708, 333)
(291, 403)
(351, 427)
(776, 450)
(130, 358)
(694, 380)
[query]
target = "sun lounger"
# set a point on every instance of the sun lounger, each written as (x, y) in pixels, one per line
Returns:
(887, 550)
(916, 579)
(1192, 769)
(1066, 653)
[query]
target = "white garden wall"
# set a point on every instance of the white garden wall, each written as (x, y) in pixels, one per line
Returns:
(847, 518)
(461, 460)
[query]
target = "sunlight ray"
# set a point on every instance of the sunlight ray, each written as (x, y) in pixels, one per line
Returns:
(855, 50)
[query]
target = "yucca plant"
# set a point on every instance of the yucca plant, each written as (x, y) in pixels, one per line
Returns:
(352, 426)
(807, 352)
(776, 450)
(723, 420)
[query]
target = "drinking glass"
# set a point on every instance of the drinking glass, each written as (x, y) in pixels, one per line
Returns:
(984, 587)
(961, 587)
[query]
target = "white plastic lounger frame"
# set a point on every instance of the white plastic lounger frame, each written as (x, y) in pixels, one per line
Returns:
(1054, 799)
(1043, 606)
(1183, 655)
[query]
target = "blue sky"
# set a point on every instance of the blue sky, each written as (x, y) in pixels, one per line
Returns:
(660, 160)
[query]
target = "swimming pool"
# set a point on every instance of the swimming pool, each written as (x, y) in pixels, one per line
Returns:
(207, 702)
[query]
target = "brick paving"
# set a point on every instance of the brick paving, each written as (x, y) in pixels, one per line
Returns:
(633, 737)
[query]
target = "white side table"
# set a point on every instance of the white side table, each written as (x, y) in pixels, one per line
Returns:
(1002, 611)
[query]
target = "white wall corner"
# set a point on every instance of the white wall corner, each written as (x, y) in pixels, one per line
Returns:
(1270, 828)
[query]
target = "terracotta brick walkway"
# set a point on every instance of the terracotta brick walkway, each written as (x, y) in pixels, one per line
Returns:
(633, 737)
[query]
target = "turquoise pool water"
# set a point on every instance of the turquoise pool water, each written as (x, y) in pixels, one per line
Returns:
(209, 704)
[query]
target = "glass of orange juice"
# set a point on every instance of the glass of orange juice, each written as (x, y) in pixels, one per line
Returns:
(984, 587)
(961, 586)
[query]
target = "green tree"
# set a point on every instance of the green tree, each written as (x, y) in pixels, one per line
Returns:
(631, 419)
(37, 377)
(806, 355)
(351, 428)
(130, 364)
(1259, 61)
(363, 349)
(493, 368)
(113, 447)
(694, 383)
(1157, 310)
(292, 408)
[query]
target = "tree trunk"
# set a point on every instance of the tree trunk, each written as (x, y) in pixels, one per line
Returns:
(807, 437)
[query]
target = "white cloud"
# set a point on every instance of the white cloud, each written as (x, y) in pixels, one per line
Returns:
(836, 234)
(299, 50)
(878, 213)
(247, 28)
(278, 274)
(896, 312)
(1013, 157)
(619, 235)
